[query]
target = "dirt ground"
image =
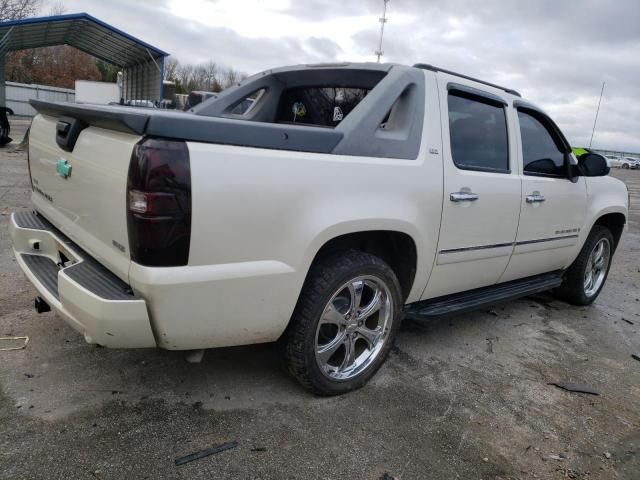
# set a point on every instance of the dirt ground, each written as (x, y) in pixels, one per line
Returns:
(465, 397)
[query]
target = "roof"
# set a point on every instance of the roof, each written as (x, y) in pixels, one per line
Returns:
(79, 30)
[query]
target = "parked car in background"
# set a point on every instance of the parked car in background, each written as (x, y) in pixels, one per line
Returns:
(613, 161)
(338, 201)
(141, 103)
(196, 97)
(630, 162)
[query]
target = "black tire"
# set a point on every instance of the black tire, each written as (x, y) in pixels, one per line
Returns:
(572, 289)
(298, 343)
(625, 165)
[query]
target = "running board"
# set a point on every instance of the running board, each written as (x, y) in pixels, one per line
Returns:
(473, 299)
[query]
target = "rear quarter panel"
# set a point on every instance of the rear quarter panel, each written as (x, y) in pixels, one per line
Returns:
(260, 217)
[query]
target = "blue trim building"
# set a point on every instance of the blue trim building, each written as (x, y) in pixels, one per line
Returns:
(142, 64)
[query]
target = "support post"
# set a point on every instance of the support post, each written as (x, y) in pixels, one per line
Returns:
(5, 128)
(3, 86)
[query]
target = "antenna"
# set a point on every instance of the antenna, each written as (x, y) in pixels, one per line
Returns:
(383, 20)
(597, 111)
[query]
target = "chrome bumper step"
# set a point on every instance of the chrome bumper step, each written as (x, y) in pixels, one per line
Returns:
(88, 273)
(45, 270)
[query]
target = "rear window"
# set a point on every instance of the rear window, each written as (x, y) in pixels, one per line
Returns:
(319, 106)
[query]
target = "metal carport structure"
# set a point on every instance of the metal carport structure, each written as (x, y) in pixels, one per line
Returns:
(142, 64)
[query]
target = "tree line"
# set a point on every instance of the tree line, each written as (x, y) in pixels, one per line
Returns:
(207, 76)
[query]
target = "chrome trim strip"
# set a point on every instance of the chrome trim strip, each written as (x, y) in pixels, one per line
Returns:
(500, 245)
(481, 247)
(550, 239)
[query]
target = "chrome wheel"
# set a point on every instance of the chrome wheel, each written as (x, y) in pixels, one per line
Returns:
(354, 327)
(597, 265)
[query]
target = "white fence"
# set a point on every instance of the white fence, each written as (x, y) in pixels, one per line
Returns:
(19, 94)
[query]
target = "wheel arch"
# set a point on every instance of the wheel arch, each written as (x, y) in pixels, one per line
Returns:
(615, 222)
(397, 248)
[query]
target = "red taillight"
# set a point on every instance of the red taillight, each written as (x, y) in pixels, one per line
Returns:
(159, 203)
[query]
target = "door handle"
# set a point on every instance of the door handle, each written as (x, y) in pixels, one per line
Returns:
(535, 198)
(463, 197)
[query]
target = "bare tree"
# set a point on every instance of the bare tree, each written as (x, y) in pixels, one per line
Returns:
(199, 78)
(171, 68)
(18, 9)
(57, 8)
(229, 78)
(184, 75)
(211, 70)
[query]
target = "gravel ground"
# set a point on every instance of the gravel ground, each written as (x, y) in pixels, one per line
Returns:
(464, 397)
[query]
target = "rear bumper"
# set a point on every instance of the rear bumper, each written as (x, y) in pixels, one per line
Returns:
(86, 295)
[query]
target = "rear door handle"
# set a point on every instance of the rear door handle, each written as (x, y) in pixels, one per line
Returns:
(463, 197)
(535, 198)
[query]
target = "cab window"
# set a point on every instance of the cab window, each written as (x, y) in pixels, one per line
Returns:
(319, 106)
(542, 151)
(478, 129)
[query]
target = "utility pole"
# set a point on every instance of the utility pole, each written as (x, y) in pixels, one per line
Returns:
(383, 20)
(597, 111)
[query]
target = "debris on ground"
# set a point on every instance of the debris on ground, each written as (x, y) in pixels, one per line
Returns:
(490, 341)
(556, 457)
(573, 474)
(259, 449)
(576, 388)
(635, 356)
(607, 455)
(205, 453)
(13, 339)
(628, 321)
(387, 476)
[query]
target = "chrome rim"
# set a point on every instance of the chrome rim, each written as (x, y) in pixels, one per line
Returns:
(353, 328)
(596, 267)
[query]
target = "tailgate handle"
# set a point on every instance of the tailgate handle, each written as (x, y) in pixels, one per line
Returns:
(62, 128)
(67, 132)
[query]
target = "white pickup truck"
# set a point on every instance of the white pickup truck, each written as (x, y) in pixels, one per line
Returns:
(316, 205)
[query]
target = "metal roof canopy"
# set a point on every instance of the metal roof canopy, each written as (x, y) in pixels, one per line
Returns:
(82, 31)
(142, 64)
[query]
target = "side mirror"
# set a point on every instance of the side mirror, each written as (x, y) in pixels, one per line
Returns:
(593, 165)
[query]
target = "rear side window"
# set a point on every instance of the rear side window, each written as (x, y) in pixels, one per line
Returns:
(542, 152)
(478, 129)
(320, 106)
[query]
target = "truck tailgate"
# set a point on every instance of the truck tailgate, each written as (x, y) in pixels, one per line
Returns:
(88, 204)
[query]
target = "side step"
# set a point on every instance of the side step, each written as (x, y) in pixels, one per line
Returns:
(473, 299)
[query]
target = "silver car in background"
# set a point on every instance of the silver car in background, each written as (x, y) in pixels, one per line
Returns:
(630, 162)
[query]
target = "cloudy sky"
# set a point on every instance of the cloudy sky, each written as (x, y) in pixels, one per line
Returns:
(556, 53)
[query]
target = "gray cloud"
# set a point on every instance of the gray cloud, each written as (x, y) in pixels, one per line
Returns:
(556, 52)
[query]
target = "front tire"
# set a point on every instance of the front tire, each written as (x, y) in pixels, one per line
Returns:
(344, 324)
(586, 276)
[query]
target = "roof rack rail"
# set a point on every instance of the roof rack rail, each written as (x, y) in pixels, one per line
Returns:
(426, 66)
